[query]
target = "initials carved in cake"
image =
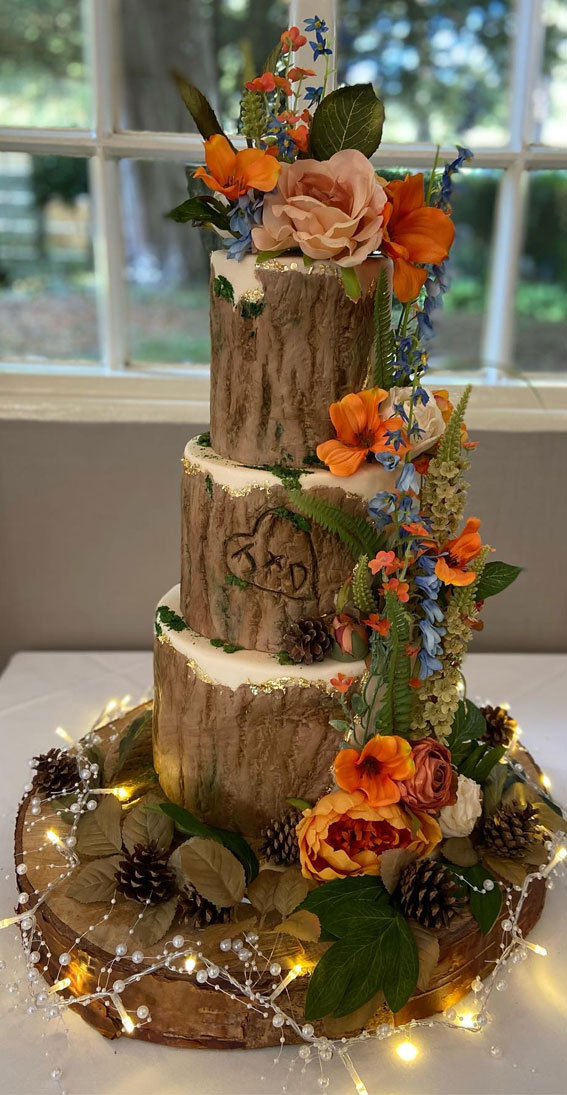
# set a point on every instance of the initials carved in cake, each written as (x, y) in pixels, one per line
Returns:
(275, 556)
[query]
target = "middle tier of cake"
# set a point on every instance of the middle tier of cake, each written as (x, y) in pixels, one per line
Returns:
(251, 563)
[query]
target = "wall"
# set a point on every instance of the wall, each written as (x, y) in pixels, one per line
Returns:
(89, 534)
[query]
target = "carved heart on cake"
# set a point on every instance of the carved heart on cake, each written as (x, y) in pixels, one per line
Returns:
(275, 556)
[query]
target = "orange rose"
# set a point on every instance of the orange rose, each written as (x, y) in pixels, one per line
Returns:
(384, 760)
(344, 836)
(328, 209)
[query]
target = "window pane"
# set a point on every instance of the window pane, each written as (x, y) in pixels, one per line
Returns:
(541, 297)
(167, 266)
(217, 44)
(551, 123)
(42, 69)
(441, 67)
(458, 324)
(47, 305)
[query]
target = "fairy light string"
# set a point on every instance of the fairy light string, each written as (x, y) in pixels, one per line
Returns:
(184, 957)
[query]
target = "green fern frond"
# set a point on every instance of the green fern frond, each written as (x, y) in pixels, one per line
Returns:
(357, 533)
(362, 594)
(450, 447)
(395, 713)
(384, 340)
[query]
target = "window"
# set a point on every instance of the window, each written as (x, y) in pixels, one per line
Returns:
(94, 142)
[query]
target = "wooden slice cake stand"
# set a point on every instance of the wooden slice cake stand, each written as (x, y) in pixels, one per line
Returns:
(183, 1012)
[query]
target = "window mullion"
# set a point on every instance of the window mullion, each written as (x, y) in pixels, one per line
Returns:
(101, 21)
(509, 218)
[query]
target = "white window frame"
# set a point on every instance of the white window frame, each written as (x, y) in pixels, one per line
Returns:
(116, 390)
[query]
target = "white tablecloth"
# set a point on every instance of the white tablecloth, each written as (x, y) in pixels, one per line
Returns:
(41, 691)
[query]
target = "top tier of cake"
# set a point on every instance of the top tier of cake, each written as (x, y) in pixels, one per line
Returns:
(286, 342)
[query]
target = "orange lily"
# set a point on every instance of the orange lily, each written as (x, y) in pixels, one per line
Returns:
(234, 173)
(359, 431)
(378, 623)
(450, 567)
(385, 759)
(414, 233)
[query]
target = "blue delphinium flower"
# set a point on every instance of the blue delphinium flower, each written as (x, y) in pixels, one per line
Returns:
(408, 478)
(442, 198)
(388, 460)
(315, 23)
(313, 95)
(320, 47)
(429, 625)
(245, 216)
(394, 438)
(381, 507)
(428, 664)
(287, 148)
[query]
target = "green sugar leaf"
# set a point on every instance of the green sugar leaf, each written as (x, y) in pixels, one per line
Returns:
(186, 822)
(485, 905)
(200, 212)
(223, 288)
(384, 338)
(350, 117)
(351, 282)
(496, 577)
(199, 108)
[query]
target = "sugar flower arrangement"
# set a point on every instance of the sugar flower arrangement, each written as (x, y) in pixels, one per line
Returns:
(305, 182)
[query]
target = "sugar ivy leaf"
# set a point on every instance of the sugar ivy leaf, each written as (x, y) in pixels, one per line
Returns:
(199, 107)
(401, 962)
(333, 899)
(351, 282)
(350, 117)
(200, 212)
(186, 822)
(496, 577)
(468, 727)
(329, 979)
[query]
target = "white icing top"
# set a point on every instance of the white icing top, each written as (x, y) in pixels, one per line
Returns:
(243, 275)
(252, 667)
(369, 479)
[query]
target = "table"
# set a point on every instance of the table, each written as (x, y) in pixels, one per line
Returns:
(41, 691)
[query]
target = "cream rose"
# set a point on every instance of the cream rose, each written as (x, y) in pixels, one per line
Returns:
(459, 819)
(329, 209)
(428, 417)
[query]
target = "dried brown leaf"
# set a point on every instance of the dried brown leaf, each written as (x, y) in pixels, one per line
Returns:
(427, 952)
(214, 871)
(261, 891)
(95, 881)
(98, 833)
(511, 870)
(392, 864)
(143, 826)
(460, 851)
(290, 891)
(155, 921)
(302, 924)
(336, 1028)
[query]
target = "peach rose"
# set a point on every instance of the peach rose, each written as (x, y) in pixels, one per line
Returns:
(434, 784)
(343, 836)
(329, 209)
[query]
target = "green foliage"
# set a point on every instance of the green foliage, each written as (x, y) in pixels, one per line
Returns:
(223, 288)
(289, 476)
(251, 309)
(496, 577)
(199, 107)
(209, 486)
(166, 617)
(233, 580)
(189, 824)
(229, 648)
(202, 211)
(351, 283)
(469, 726)
(395, 712)
(350, 117)
(296, 519)
(485, 906)
(204, 440)
(299, 803)
(362, 594)
(480, 762)
(356, 532)
(253, 115)
(373, 949)
(384, 338)
(284, 658)
(450, 447)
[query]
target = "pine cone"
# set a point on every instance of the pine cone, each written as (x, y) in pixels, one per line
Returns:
(144, 876)
(280, 839)
(430, 894)
(195, 910)
(500, 726)
(55, 772)
(307, 641)
(510, 830)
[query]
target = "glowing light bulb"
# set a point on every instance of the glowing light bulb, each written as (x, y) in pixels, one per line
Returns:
(468, 1020)
(61, 733)
(127, 1023)
(111, 706)
(125, 701)
(295, 971)
(546, 782)
(58, 986)
(121, 793)
(53, 837)
(535, 948)
(407, 1051)
(359, 1085)
(190, 964)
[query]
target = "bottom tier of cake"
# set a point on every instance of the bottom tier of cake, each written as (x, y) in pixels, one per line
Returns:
(88, 936)
(236, 733)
